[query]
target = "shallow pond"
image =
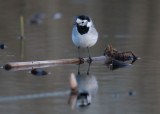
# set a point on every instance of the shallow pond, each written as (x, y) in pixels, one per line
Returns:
(123, 24)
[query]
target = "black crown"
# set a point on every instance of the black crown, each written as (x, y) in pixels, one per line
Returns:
(84, 17)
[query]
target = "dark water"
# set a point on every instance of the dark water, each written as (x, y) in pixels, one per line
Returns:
(127, 25)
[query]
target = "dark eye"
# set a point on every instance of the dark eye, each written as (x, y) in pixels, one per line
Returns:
(82, 22)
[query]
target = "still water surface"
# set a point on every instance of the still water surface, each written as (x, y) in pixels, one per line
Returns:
(124, 24)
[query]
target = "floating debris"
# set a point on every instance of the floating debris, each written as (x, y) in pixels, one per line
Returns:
(34, 21)
(121, 56)
(36, 18)
(3, 46)
(117, 59)
(57, 16)
(38, 15)
(131, 93)
(39, 72)
(21, 38)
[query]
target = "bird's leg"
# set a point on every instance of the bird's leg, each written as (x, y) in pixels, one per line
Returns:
(79, 53)
(89, 55)
(88, 68)
(78, 69)
(79, 56)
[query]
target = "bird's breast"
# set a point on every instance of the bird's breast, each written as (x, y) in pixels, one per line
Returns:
(84, 40)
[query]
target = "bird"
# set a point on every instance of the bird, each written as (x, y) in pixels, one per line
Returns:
(84, 34)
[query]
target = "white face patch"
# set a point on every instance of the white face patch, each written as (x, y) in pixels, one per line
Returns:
(89, 24)
(78, 20)
(83, 22)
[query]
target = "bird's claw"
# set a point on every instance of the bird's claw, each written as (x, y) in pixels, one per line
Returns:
(89, 60)
(81, 60)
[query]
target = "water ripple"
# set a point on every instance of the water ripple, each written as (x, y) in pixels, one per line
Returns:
(34, 96)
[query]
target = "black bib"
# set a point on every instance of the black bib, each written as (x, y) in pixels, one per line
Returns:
(82, 29)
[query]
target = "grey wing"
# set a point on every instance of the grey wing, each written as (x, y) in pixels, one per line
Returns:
(94, 31)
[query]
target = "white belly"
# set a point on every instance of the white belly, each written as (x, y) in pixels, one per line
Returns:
(85, 40)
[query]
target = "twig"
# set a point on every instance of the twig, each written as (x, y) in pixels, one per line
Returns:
(14, 66)
(22, 37)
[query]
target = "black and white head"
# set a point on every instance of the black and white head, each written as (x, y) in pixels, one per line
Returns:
(83, 20)
(83, 23)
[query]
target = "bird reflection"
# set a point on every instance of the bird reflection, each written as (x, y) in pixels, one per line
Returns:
(87, 70)
(83, 87)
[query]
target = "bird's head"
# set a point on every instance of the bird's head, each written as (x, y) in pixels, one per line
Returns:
(83, 20)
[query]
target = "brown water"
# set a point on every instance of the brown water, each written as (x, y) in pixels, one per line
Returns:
(124, 24)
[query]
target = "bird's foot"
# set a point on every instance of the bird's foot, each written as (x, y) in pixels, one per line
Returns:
(88, 73)
(78, 73)
(89, 60)
(81, 60)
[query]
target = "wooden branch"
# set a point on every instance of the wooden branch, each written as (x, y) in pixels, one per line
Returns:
(113, 57)
(14, 66)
